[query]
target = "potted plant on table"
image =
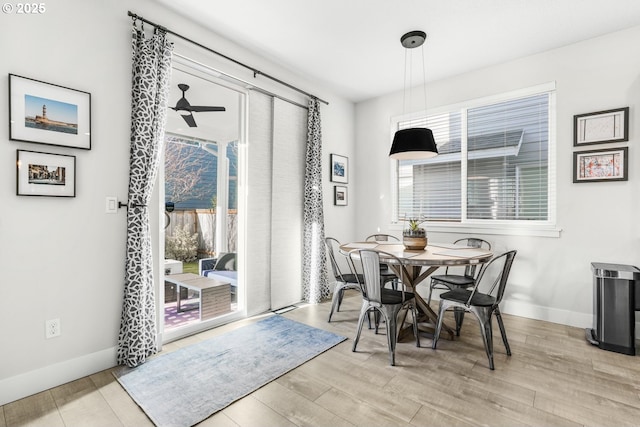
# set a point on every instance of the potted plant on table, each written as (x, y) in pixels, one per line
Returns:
(414, 237)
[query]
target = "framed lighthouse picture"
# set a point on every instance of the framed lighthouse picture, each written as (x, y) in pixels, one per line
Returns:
(46, 113)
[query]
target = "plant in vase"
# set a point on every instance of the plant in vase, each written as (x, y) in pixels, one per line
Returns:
(414, 237)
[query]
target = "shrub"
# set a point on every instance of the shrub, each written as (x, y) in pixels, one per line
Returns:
(182, 246)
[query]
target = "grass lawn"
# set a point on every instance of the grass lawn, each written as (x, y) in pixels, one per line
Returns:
(190, 267)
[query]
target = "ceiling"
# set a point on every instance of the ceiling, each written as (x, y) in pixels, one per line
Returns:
(353, 46)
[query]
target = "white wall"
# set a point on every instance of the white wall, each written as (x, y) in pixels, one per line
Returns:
(551, 277)
(64, 258)
(339, 220)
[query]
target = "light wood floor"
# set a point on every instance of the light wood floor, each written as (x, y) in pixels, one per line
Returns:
(553, 378)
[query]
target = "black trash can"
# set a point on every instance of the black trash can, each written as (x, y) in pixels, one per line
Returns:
(616, 297)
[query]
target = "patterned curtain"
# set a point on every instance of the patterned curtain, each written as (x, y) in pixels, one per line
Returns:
(315, 284)
(150, 91)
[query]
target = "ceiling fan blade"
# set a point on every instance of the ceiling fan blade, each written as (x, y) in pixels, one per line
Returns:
(189, 119)
(202, 108)
(183, 106)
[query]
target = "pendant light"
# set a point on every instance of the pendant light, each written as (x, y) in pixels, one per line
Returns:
(413, 143)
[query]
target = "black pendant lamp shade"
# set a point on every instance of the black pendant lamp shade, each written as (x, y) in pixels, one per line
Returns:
(414, 143)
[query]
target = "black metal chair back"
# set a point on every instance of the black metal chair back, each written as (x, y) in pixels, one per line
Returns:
(483, 301)
(382, 238)
(343, 280)
(387, 302)
(473, 242)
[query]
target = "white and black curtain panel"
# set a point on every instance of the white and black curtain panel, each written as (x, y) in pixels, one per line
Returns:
(150, 91)
(315, 284)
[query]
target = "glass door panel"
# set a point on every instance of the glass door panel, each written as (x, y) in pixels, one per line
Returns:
(201, 166)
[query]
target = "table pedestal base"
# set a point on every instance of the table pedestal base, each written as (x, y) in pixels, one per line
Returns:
(427, 318)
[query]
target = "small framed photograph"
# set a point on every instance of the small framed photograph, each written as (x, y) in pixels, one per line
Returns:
(48, 114)
(45, 174)
(339, 168)
(601, 127)
(601, 165)
(340, 195)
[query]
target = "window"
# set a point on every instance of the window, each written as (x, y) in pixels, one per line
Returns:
(494, 165)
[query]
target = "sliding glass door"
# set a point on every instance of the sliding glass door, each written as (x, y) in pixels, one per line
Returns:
(201, 165)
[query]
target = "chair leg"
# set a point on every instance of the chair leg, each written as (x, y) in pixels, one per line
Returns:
(458, 314)
(502, 331)
(341, 296)
(484, 318)
(376, 320)
(363, 312)
(405, 312)
(430, 292)
(416, 331)
(390, 314)
(436, 334)
(335, 301)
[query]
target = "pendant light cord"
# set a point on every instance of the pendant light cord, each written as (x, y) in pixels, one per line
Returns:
(424, 81)
(404, 92)
(408, 69)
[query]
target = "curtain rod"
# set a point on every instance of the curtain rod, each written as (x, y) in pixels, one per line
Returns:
(247, 85)
(255, 71)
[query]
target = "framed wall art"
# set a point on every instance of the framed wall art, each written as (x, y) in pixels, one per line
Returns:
(601, 165)
(46, 113)
(601, 127)
(45, 174)
(340, 195)
(339, 168)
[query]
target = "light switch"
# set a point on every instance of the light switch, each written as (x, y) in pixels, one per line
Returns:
(111, 205)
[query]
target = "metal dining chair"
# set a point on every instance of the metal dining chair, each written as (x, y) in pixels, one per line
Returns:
(386, 274)
(387, 302)
(450, 281)
(482, 303)
(343, 280)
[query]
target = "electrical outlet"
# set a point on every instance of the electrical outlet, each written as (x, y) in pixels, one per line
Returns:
(52, 328)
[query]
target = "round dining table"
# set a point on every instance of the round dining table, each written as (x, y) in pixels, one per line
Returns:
(417, 265)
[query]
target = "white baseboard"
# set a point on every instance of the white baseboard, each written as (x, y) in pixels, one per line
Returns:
(33, 382)
(553, 315)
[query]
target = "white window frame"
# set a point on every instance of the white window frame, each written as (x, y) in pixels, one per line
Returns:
(546, 228)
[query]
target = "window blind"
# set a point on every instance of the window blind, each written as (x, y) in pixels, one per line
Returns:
(507, 160)
(495, 167)
(432, 188)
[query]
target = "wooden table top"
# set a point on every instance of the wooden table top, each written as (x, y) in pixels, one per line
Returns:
(433, 255)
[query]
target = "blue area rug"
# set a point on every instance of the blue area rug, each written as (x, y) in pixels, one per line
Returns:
(186, 386)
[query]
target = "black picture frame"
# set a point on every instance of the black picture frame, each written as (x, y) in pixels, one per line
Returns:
(45, 174)
(47, 113)
(340, 195)
(601, 165)
(339, 168)
(601, 127)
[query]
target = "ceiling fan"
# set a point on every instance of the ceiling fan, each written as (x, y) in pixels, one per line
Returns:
(183, 106)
